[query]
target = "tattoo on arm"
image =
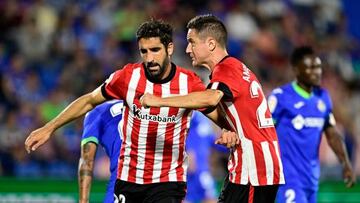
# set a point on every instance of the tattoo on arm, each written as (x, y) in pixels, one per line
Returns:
(85, 172)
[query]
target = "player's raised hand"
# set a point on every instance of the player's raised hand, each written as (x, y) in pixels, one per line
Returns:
(228, 138)
(149, 100)
(37, 138)
(349, 177)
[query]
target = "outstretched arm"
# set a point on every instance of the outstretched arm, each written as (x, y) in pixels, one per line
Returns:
(85, 171)
(74, 110)
(193, 100)
(337, 145)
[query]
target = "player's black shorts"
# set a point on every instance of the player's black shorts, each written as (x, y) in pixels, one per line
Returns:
(235, 193)
(169, 192)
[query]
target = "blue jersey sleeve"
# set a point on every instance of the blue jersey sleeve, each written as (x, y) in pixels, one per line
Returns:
(329, 119)
(92, 127)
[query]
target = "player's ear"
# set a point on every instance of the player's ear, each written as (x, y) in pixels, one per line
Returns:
(211, 43)
(170, 48)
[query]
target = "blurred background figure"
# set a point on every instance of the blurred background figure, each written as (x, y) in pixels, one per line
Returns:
(52, 51)
(201, 186)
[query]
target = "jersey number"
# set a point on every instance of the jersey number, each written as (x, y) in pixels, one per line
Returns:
(256, 91)
(290, 196)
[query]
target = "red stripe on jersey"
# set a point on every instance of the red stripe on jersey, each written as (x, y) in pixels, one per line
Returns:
(169, 135)
(122, 152)
(135, 135)
(180, 170)
(251, 194)
(260, 163)
(276, 164)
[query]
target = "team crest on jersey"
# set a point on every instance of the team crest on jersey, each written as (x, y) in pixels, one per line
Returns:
(321, 105)
(272, 102)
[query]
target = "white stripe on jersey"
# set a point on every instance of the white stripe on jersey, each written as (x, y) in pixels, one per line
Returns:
(215, 85)
(183, 84)
(244, 169)
(141, 154)
(160, 138)
(269, 165)
(252, 163)
(282, 179)
(135, 76)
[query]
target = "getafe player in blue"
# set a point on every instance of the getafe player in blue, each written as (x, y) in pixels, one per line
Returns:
(101, 126)
(302, 111)
(200, 140)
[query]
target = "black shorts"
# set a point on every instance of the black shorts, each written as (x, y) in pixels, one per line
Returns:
(169, 192)
(246, 193)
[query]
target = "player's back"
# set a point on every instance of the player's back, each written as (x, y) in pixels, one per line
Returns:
(257, 159)
(300, 119)
(101, 126)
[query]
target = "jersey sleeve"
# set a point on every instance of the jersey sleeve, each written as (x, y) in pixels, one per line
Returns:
(92, 127)
(114, 86)
(329, 118)
(196, 83)
(274, 103)
(226, 81)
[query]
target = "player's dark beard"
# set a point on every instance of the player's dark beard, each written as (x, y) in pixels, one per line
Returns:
(158, 74)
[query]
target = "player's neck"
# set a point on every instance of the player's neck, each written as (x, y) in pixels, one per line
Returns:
(217, 56)
(307, 88)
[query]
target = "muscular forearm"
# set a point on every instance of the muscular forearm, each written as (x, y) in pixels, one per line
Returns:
(338, 146)
(194, 100)
(85, 172)
(76, 109)
(84, 179)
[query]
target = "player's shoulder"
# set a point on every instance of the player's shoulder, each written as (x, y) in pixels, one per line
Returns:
(322, 93)
(187, 72)
(112, 107)
(279, 91)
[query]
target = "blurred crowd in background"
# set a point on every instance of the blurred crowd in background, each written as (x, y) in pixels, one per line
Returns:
(52, 51)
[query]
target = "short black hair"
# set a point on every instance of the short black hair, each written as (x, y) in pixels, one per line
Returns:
(299, 53)
(155, 28)
(209, 25)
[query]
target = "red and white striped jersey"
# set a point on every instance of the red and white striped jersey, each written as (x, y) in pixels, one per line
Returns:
(257, 158)
(153, 139)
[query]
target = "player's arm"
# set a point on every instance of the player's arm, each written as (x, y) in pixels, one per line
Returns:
(193, 100)
(74, 110)
(85, 171)
(228, 136)
(337, 145)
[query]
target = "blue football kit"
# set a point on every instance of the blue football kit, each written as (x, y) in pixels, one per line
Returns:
(101, 126)
(200, 140)
(300, 118)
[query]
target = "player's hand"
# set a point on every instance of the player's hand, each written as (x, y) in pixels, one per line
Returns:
(349, 177)
(149, 100)
(37, 138)
(228, 139)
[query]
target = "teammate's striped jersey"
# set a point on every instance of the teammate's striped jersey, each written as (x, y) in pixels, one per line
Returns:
(300, 120)
(101, 126)
(153, 139)
(257, 158)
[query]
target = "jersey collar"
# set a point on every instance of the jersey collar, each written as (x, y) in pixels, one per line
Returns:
(227, 56)
(300, 90)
